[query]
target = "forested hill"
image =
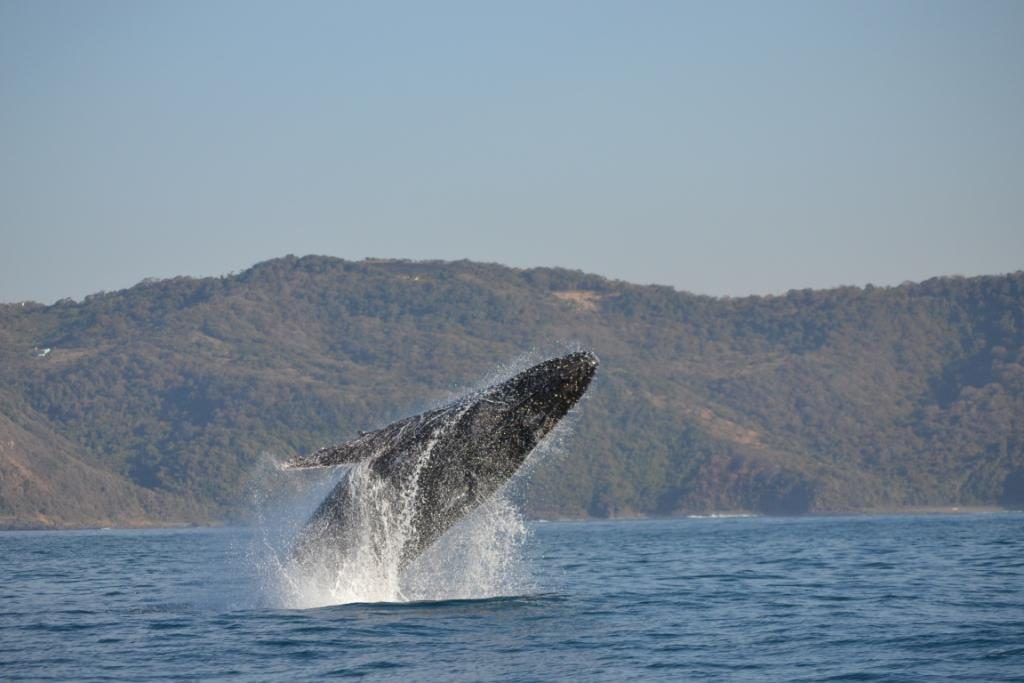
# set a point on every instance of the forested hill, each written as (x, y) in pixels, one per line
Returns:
(156, 404)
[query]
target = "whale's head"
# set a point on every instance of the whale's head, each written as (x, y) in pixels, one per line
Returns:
(539, 397)
(489, 436)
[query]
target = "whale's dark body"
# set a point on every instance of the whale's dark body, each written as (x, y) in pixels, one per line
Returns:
(446, 462)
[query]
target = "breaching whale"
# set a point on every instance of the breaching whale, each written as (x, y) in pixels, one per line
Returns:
(443, 463)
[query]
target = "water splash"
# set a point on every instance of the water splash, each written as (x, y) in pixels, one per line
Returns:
(479, 557)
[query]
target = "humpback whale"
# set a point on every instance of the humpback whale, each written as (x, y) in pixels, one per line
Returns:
(442, 464)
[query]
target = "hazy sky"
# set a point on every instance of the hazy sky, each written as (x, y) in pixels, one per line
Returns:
(720, 147)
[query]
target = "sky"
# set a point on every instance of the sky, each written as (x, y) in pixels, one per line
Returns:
(724, 148)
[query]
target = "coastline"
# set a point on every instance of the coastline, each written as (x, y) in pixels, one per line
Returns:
(908, 511)
(896, 511)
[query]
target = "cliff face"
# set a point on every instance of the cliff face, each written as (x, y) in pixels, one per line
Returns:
(155, 403)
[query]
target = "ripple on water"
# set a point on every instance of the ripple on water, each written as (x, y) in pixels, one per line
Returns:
(744, 599)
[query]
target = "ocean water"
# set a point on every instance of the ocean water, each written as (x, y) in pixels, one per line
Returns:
(931, 598)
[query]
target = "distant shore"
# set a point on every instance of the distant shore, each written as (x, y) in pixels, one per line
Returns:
(919, 510)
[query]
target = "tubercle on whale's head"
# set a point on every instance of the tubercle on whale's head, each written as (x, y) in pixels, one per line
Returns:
(574, 373)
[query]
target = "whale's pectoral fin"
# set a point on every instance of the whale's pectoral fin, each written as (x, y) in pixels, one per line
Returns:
(368, 444)
(343, 454)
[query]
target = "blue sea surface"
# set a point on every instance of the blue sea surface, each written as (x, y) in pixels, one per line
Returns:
(930, 598)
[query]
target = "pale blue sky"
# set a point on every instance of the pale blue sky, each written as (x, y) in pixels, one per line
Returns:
(722, 148)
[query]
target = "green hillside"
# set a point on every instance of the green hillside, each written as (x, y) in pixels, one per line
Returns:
(157, 403)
